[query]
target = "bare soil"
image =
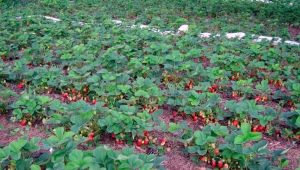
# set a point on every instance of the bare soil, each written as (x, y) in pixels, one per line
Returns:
(9, 133)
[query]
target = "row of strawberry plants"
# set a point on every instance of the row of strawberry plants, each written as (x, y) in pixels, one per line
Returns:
(60, 151)
(228, 147)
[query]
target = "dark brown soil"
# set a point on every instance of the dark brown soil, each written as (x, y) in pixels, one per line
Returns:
(9, 133)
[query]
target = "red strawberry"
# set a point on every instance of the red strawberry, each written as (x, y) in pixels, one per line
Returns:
(235, 123)
(113, 136)
(226, 166)
(203, 158)
(139, 142)
(234, 94)
(73, 91)
(119, 142)
(146, 141)
(23, 122)
(146, 133)
(20, 86)
(213, 163)
(257, 99)
(217, 151)
(94, 101)
(91, 136)
(220, 164)
(261, 128)
(163, 141)
(195, 118)
(215, 86)
(254, 129)
(65, 95)
(174, 113)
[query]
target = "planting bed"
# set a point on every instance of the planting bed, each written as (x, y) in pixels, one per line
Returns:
(83, 86)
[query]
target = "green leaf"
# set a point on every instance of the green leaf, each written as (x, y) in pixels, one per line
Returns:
(193, 149)
(298, 121)
(239, 139)
(141, 93)
(76, 155)
(44, 99)
(173, 127)
(35, 167)
(200, 138)
(252, 136)
(220, 130)
(15, 146)
(245, 128)
(99, 154)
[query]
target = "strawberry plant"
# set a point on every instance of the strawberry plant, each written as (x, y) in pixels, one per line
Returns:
(17, 154)
(31, 107)
(96, 74)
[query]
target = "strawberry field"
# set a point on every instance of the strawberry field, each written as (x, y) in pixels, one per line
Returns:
(102, 84)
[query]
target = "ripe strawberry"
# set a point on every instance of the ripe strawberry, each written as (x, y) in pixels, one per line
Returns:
(113, 136)
(213, 163)
(226, 166)
(174, 113)
(119, 142)
(162, 141)
(189, 85)
(234, 94)
(65, 95)
(23, 122)
(220, 164)
(278, 84)
(139, 142)
(146, 133)
(261, 128)
(195, 118)
(94, 101)
(215, 86)
(146, 141)
(254, 129)
(203, 158)
(73, 91)
(235, 123)
(91, 136)
(217, 151)
(257, 99)
(20, 86)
